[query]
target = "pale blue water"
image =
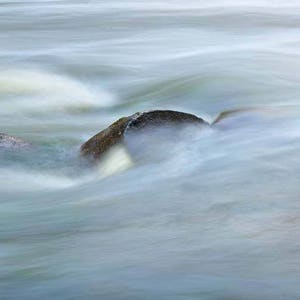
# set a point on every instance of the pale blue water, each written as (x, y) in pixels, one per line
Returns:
(218, 219)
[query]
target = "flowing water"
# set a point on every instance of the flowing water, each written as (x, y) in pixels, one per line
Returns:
(218, 218)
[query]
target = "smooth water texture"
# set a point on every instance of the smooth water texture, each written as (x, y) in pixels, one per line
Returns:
(218, 218)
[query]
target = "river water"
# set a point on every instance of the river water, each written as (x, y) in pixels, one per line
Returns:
(219, 218)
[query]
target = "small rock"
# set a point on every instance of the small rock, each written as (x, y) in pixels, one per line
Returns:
(11, 142)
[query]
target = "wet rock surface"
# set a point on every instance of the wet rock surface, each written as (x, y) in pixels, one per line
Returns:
(96, 147)
(103, 141)
(162, 118)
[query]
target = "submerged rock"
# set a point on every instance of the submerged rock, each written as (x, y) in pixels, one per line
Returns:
(116, 134)
(241, 112)
(11, 142)
(242, 117)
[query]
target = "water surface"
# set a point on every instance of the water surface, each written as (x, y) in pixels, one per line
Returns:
(216, 219)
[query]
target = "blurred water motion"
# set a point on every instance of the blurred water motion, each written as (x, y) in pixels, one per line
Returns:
(218, 218)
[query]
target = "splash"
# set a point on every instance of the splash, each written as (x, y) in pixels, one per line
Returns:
(25, 180)
(39, 91)
(117, 160)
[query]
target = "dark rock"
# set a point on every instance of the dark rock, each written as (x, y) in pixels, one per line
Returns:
(158, 118)
(116, 133)
(11, 142)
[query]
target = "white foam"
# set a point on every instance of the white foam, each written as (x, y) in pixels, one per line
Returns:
(25, 180)
(116, 160)
(37, 91)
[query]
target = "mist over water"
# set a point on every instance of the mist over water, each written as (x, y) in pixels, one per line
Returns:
(215, 216)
